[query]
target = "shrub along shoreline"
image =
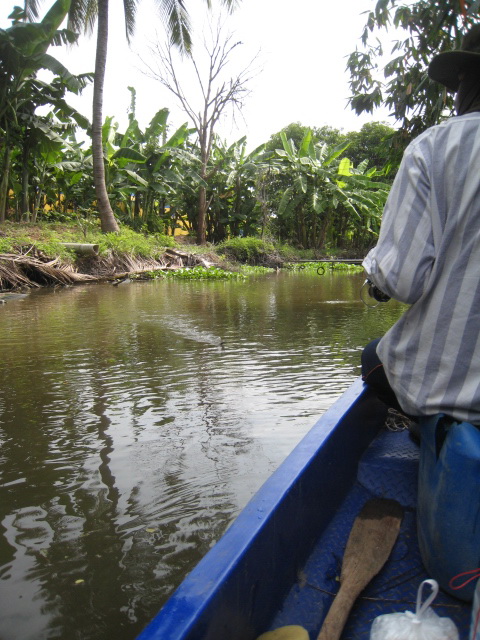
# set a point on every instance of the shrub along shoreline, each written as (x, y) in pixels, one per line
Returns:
(41, 255)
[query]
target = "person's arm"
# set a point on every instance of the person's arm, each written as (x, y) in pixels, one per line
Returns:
(401, 262)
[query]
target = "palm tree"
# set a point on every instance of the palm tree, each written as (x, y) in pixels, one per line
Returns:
(31, 9)
(82, 15)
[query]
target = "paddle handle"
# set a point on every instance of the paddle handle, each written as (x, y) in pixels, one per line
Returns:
(337, 616)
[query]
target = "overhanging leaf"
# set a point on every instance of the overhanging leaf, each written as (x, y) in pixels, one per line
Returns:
(130, 154)
(138, 179)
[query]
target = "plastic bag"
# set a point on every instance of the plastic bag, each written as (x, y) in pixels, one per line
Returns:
(424, 624)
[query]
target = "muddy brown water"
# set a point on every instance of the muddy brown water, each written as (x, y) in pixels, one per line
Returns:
(135, 423)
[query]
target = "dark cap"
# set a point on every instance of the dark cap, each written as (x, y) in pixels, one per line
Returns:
(446, 67)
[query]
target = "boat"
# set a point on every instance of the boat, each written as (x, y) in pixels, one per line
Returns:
(279, 562)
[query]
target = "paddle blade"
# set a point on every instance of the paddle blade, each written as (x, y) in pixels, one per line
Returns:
(371, 540)
(369, 545)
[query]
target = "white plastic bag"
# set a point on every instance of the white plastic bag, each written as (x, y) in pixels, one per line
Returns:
(424, 624)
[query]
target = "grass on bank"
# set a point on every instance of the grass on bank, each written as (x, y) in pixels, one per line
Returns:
(48, 237)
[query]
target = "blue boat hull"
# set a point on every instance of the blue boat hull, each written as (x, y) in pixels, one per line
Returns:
(279, 562)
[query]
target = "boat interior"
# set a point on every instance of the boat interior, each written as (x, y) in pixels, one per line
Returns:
(387, 469)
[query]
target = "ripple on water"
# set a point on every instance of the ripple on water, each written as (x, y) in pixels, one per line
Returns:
(131, 439)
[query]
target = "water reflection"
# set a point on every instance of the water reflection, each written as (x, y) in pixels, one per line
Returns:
(136, 421)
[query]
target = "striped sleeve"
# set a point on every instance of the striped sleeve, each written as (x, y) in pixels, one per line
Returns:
(401, 262)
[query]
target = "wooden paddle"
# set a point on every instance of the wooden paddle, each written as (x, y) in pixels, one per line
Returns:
(368, 547)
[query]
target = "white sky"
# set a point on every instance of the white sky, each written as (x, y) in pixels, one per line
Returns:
(302, 48)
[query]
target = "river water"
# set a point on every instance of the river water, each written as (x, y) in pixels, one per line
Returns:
(136, 421)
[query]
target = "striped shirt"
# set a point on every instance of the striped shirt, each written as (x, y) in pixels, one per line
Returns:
(428, 255)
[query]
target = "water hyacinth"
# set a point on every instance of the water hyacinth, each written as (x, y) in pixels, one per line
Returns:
(334, 266)
(204, 273)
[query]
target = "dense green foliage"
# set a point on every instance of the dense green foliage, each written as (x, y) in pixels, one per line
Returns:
(317, 189)
(127, 241)
(249, 250)
(325, 199)
(371, 143)
(29, 142)
(426, 27)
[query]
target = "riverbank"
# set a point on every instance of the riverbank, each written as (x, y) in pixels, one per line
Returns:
(52, 254)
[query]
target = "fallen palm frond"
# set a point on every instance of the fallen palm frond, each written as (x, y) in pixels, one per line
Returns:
(12, 277)
(20, 270)
(117, 266)
(33, 268)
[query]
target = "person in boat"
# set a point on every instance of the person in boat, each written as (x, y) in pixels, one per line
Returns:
(428, 256)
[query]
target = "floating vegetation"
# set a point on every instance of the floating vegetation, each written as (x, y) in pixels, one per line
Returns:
(201, 273)
(325, 266)
(204, 273)
(149, 274)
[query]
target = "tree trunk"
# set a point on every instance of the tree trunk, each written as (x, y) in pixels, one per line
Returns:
(37, 198)
(107, 218)
(137, 204)
(202, 214)
(4, 183)
(302, 230)
(24, 208)
(323, 230)
(36, 206)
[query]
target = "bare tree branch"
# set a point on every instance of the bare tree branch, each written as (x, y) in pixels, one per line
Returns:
(216, 91)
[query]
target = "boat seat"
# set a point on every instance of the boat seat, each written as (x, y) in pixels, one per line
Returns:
(389, 467)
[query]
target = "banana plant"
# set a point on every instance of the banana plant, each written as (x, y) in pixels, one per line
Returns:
(145, 169)
(71, 177)
(23, 52)
(319, 184)
(232, 193)
(121, 164)
(303, 210)
(172, 172)
(359, 214)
